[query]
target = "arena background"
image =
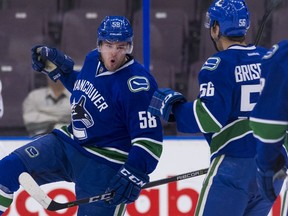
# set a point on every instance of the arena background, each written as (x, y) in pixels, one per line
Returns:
(170, 41)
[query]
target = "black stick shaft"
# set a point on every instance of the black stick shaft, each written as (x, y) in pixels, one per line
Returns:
(273, 4)
(176, 178)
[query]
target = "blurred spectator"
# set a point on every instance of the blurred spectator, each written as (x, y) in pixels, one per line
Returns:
(1, 101)
(46, 108)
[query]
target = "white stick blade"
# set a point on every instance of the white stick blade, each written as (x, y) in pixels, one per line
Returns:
(34, 190)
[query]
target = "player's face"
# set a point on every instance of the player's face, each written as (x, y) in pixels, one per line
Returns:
(113, 54)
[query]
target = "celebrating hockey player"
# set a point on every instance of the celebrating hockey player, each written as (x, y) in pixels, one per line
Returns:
(112, 144)
(229, 88)
(269, 121)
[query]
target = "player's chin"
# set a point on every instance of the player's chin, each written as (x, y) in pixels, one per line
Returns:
(112, 67)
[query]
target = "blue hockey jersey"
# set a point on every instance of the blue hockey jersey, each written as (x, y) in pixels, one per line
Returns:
(269, 118)
(274, 76)
(109, 114)
(229, 88)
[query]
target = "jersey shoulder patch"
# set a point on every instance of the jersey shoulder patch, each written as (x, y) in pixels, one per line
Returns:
(138, 83)
(211, 63)
(271, 52)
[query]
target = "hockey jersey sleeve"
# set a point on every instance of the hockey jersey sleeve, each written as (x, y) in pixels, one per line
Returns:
(69, 79)
(145, 130)
(210, 111)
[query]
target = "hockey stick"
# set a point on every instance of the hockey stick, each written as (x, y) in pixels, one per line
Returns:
(176, 178)
(272, 5)
(34, 190)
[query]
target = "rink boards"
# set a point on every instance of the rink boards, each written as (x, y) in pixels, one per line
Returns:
(180, 155)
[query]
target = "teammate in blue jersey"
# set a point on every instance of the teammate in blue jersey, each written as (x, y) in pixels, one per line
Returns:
(112, 144)
(229, 88)
(269, 121)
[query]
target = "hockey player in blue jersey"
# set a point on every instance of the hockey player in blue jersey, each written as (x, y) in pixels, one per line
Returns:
(112, 144)
(269, 121)
(229, 88)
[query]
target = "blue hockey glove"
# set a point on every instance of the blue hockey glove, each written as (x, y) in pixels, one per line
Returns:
(126, 184)
(162, 102)
(267, 178)
(37, 63)
(51, 61)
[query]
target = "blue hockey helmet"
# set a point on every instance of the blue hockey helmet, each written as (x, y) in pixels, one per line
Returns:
(115, 29)
(232, 16)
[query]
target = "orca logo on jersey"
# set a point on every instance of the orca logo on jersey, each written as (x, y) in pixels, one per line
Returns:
(80, 113)
(32, 151)
(138, 83)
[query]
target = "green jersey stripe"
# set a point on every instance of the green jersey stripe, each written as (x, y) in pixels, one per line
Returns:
(152, 148)
(116, 150)
(268, 132)
(206, 121)
(65, 131)
(120, 210)
(108, 154)
(233, 131)
(147, 139)
(284, 209)
(269, 140)
(267, 121)
(147, 150)
(207, 184)
(5, 202)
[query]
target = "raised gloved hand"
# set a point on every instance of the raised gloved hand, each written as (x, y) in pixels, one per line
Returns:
(126, 185)
(51, 61)
(267, 178)
(162, 102)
